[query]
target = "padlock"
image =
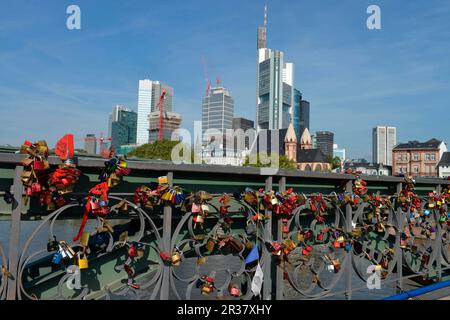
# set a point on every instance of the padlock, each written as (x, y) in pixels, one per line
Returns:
(276, 248)
(289, 246)
(36, 187)
(210, 244)
(165, 256)
(83, 262)
(196, 208)
(52, 245)
(38, 165)
(336, 265)
(206, 289)
(235, 292)
(132, 251)
(84, 240)
(201, 261)
(176, 258)
(163, 180)
(57, 257)
(307, 250)
(199, 219)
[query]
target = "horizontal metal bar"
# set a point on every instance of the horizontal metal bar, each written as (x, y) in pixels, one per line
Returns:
(164, 166)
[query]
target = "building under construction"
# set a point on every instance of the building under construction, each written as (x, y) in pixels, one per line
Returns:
(171, 120)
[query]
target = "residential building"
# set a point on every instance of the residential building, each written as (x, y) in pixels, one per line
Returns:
(275, 86)
(171, 122)
(444, 165)
(369, 169)
(90, 143)
(123, 127)
(325, 142)
(416, 158)
(383, 141)
(149, 95)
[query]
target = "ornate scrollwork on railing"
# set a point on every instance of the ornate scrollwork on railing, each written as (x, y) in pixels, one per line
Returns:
(211, 236)
(3, 273)
(104, 241)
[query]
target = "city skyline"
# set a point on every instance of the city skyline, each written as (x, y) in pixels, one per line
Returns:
(345, 70)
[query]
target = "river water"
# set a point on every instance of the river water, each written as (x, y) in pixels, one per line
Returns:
(66, 229)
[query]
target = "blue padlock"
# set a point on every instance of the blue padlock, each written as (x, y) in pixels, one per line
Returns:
(57, 257)
(427, 212)
(348, 247)
(102, 203)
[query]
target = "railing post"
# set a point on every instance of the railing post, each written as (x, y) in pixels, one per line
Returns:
(439, 241)
(267, 283)
(166, 237)
(279, 237)
(399, 218)
(14, 236)
(348, 228)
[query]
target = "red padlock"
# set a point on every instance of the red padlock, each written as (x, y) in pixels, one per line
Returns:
(235, 292)
(132, 252)
(38, 165)
(36, 187)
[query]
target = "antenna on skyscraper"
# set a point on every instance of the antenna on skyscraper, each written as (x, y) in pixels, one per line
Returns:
(265, 16)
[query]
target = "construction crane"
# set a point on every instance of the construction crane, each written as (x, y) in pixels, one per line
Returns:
(161, 114)
(101, 139)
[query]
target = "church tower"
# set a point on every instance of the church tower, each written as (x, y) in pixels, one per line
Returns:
(290, 143)
(306, 141)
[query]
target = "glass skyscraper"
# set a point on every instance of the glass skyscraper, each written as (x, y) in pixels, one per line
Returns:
(300, 119)
(148, 98)
(124, 129)
(274, 85)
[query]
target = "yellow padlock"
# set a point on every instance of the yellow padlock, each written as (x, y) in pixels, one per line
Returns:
(163, 180)
(83, 262)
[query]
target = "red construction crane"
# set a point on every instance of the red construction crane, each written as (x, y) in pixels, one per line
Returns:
(161, 115)
(205, 73)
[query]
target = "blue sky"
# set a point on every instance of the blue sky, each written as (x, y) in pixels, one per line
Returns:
(55, 81)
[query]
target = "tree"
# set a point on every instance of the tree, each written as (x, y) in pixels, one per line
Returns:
(160, 149)
(334, 162)
(284, 163)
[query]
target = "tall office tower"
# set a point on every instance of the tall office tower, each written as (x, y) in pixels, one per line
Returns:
(148, 98)
(384, 140)
(124, 128)
(217, 113)
(325, 142)
(90, 144)
(275, 86)
(301, 113)
(171, 122)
